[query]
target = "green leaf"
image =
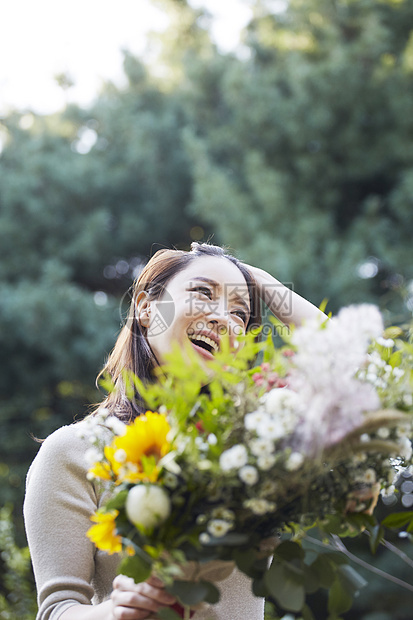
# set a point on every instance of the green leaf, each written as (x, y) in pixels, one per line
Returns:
(117, 501)
(285, 586)
(323, 569)
(166, 613)
(213, 594)
(350, 579)
(259, 587)
(307, 614)
(289, 550)
(339, 600)
(398, 519)
(134, 566)
(311, 580)
(244, 560)
(376, 536)
(233, 539)
(190, 592)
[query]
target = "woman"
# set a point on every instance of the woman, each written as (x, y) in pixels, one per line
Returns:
(192, 298)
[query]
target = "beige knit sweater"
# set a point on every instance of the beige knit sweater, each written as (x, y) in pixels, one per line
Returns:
(67, 567)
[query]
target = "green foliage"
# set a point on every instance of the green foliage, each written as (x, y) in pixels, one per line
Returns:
(17, 595)
(300, 157)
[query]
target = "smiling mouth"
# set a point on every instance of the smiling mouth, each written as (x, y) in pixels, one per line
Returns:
(204, 342)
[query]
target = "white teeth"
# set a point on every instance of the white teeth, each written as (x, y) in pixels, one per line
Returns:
(205, 339)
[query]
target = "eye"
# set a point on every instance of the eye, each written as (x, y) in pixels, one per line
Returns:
(241, 314)
(203, 290)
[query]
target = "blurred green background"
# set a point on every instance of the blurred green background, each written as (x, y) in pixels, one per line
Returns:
(296, 152)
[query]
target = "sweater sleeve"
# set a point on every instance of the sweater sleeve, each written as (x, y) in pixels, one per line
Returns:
(58, 504)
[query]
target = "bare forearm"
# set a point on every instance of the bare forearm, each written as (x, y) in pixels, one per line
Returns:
(89, 612)
(283, 302)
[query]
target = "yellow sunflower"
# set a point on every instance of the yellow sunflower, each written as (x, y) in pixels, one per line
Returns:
(103, 534)
(144, 442)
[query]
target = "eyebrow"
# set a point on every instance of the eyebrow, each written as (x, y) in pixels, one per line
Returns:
(216, 285)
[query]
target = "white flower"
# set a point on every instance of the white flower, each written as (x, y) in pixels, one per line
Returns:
(120, 456)
(364, 319)
(92, 455)
(218, 527)
(280, 399)
(383, 432)
(170, 480)
(294, 461)
(389, 491)
(204, 464)
(268, 487)
(147, 505)
(118, 427)
(270, 428)
(212, 439)
(248, 474)
(234, 458)
(364, 438)
(398, 373)
(405, 448)
(259, 506)
(385, 342)
(265, 461)
(403, 430)
(252, 420)
(369, 476)
(261, 447)
(408, 400)
(204, 538)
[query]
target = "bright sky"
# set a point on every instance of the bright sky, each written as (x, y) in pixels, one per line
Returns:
(42, 38)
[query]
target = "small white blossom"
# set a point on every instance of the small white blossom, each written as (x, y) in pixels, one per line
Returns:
(280, 399)
(403, 430)
(120, 456)
(398, 373)
(361, 457)
(271, 428)
(259, 506)
(369, 476)
(364, 438)
(218, 527)
(265, 461)
(204, 538)
(252, 420)
(385, 342)
(234, 458)
(248, 474)
(205, 464)
(147, 505)
(408, 400)
(212, 439)
(170, 480)
(223, 513)
(92, 455)
(389, 491)
(405, 448)
(294, 461)
(261, 447)
(383, 432)
(268, 487)
(118, 427)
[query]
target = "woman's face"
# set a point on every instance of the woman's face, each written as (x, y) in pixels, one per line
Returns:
(202, 303)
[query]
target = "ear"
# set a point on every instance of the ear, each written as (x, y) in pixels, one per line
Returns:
(143, 309)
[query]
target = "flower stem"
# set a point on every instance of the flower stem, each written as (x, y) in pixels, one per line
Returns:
(187, 613)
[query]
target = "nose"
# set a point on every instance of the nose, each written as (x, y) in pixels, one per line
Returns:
(218, 318)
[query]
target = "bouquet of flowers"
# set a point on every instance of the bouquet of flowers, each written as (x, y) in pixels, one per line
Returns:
(235, 461)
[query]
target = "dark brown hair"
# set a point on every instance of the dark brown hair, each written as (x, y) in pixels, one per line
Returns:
(132, 351)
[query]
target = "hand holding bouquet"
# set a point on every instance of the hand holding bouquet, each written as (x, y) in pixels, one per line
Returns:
(234, 462)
